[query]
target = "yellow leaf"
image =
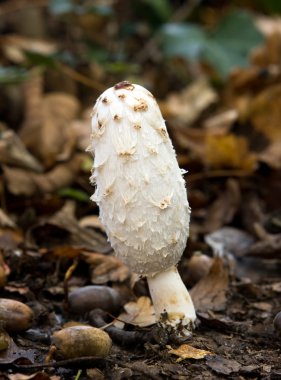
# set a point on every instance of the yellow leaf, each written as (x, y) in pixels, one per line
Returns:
(265, 112)
(185, 351)
(229, 152)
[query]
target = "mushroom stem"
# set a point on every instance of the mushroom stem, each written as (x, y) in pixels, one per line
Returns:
(172, 302)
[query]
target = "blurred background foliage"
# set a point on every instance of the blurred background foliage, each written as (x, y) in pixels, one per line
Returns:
(121, 38)
(214, 67)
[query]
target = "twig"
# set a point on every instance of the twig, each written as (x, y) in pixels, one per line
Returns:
(78, 77)
(67, 276)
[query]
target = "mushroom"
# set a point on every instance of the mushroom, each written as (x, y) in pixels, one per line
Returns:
(142, 197)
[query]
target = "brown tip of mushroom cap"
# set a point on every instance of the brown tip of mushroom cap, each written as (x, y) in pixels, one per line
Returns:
(124, 85)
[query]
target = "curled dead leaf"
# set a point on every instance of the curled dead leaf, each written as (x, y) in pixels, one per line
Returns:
(46, 131)
(185, 351)
(13, 152)
(223, 209)
(73, 238)
(23, 182)
(210, 292)
(187, 105)
(105, 268)
(140, 313)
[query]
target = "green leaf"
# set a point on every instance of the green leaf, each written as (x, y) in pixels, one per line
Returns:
(237, 31)
(271, 6)
(58, 7)
(38, 59)
(227, 47)
(12, 74)
(78, 195)
(230, 44)
(161, 7)
(223, 60)
(179, 39)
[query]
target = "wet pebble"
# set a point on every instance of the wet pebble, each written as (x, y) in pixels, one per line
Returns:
(92, 297)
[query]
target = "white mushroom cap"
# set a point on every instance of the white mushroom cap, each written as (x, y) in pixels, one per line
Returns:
(139, 186)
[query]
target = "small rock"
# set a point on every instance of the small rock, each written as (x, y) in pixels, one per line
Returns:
(92, 297)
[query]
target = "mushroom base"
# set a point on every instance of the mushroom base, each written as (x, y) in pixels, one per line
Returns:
(172, 303)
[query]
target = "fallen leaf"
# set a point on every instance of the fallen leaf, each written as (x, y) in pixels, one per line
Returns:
(5, 220)
(222, 365)
(81, 128)
(23, 182)
(185, 351)
(229, 152)
(229, 240)
(263, 306)
(13, 352)
(223, 209)
(186, 106)
(272, 155)
(105, 268)
(222, 122)
(92, 221)
(15, 46)
(266, 249)
(34, 376)
(46, 131)
(14, 153)
(276, 287)
(140, 313)
(265, 112)
(210, 292)
(62, 230)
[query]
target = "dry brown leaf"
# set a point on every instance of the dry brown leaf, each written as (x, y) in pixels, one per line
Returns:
(191, 139)
(269, 25)
(66, 251)
(265, 112)
(185, 351)
(5, 220)
(272, 155)
(105, 268)
(23, 182)
(269, 248)
(140, 313)
(210, 292)
(80, 237)
(34, 376)
(187, 105)
(223, 366)
(224, 208)
(65, 225)
(229, 152)
(81, 129)
(14, 153)
(14, 47)
(222, 122)
(46, 131)
(92, 221)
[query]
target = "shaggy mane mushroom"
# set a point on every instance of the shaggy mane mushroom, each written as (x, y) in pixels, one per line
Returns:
(142, 197)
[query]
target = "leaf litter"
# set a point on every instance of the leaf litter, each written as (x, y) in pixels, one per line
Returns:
(52, 245)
